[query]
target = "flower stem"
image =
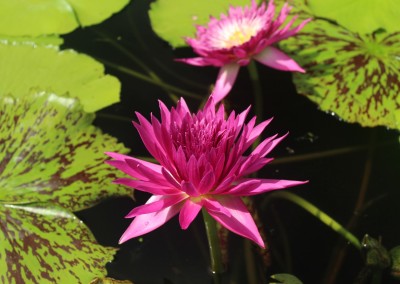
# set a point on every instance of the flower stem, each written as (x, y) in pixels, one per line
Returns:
(323, 217)
(213, 243)
(148, 79)
(257, 90)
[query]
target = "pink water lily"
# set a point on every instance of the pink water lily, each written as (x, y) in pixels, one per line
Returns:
(201, 165)
(244, 34)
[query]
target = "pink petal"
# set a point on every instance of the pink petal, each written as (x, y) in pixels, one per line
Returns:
(275, 58)
(137, 168)
(170, 178)
(225, 80)
(188, 213)
(148, 222)
(189, 189)
(145, 171)
(267, 145)
(240, 220)
(156, 203)
(148, 186)
(245, 186)
(265, 186)
(207, 182)
(214, 206)
(256, 131)
(196, 61)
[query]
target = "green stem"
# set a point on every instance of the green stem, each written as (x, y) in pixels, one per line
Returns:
(257, 90)
(250, 263)
(150, 80)
(323, 217)
(136, 60)
(213, 243)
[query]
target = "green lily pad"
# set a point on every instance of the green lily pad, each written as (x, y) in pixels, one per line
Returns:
(33, 41)
(24, 66)
(42, 243)
(355, 77)
(33, 18)
(173, 20)
(362, 16)
(50, 152)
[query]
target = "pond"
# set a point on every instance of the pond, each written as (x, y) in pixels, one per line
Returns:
(349, 167)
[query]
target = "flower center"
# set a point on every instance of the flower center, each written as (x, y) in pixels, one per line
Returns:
(239, 37)
(235, 32)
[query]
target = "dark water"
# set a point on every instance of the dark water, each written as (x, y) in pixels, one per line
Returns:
(300, 244)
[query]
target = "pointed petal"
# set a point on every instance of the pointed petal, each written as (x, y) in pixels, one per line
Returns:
(265, 186)
(188, 213)
(267, 145)
(148, 186)
(189, 189)
(257, 130)
(225, 80)
(240, 222)
(148, 222)
(137, 168)
(245, 186)
(196, 61)
(156, 203)
(170, 178)
(207, 182)
(214, 206)
(276, 59)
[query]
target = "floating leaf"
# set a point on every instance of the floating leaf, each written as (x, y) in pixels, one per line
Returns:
(285, 279)
(34, 41)
(50, 152)
(23, 67)
(33, 18)
(42, 243)
(355, 77)
(364, 16)
(108, 280)
(173, 20)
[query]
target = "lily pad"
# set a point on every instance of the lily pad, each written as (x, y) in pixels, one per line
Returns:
(33, 41)
(33, 18)
(362, 16)
(50, 152)
(24, 66)
(173, 20)
(356, 77)
(42, 243)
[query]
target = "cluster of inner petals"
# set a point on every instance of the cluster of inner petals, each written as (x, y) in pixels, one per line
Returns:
(235, 32)
(197, 136)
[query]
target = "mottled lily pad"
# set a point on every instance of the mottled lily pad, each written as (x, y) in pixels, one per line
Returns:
(356, 77)
(173, 20)
(27, 66)
(362, 16)
(42, 243)
(33, 18)
(50, 152)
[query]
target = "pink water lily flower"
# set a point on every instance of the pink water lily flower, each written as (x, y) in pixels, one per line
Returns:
(245, 33)
(202, 164)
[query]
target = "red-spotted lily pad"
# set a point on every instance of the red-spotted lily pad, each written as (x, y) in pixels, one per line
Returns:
(51, 163)
(42, 243)
(28, 65)
(357, 77)
(362, 16)
(33, 18)
(50, 152)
